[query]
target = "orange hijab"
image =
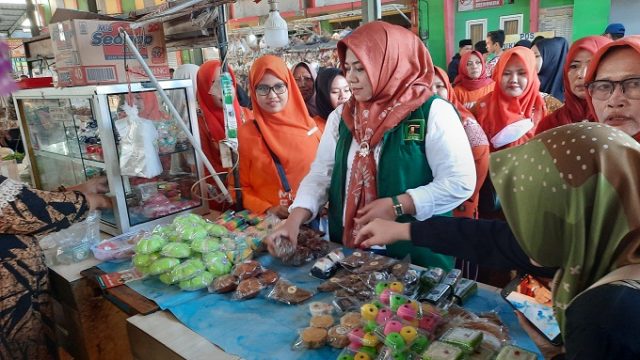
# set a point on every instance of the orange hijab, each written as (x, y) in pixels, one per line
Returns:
(497, 110)
(453, 99)
(632, 42)
(291, 133)
(212, 114)
(463, 79)
(400, 83)
(574, 109)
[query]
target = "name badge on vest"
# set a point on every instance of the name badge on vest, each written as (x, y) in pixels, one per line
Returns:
(414, 130)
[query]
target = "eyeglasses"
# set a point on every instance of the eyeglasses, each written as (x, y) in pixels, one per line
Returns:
(264, 90)
(603, 89)
(303, 79)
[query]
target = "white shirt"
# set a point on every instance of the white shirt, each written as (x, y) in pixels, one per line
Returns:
(448, 154)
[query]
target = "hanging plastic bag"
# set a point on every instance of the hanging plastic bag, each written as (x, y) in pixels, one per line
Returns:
(139, 150)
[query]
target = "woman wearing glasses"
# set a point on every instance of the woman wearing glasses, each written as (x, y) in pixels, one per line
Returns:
(277, 146)
(613, 90)
(575, 107)
(393, 151)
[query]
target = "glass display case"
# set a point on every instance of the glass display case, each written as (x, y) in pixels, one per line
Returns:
(74, 134)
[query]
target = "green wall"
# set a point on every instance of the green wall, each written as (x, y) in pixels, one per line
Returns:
(493, 17)
(555, 3)
(590, 17)
(431, 29)
(128, 5)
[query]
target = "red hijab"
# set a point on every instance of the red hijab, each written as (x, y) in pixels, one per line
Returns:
(212, 114)
(497, 110)
(574, 109)
(453, 99)
(400, 85)
(632, 42)
(150, 108)
(463, 79)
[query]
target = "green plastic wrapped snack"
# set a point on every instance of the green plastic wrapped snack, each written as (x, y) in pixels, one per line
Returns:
(163, 265)
(143, 260)
(166, 279)
(217, 263)
(150, 244)
(189, 219)
(176, 250)
(198, 282)
(216, 230)
(205, 245)
(192, 232)
(187, 270)
(163, 230)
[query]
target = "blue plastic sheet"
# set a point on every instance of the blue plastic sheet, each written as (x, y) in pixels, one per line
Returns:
(262, 329)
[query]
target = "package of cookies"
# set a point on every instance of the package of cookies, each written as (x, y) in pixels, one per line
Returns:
(288, 293)
(321, 321)
(511, 352)
(283, 247)
(442, 351)
(247, 269)
(247, 289)
(317, 308)
(344, 304)
(268, 277)
(466, 339)
(224, 284)
(337, 336)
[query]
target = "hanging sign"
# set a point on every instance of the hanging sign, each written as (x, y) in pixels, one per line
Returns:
(466, 5)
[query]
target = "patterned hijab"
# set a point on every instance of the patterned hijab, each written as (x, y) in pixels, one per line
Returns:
(498, 110)
(463, 79)
(632, 42)
(571, 196)
(400, 83)
(574, 109)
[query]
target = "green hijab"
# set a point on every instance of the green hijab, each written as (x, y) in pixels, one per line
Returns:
(572, 198)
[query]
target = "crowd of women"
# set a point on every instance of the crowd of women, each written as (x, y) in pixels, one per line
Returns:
(398, 159)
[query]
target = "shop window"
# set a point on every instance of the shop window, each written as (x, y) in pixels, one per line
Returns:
(512, 24)
(476, 30)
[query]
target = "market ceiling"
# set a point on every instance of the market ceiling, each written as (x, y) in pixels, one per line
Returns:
(12, 14)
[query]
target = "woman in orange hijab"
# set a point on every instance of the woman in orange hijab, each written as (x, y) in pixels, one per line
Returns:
(211, 118)
(477, 139)
(511, 113)
(278, 145)
(575, 90)
(613, 92)
(472, 82)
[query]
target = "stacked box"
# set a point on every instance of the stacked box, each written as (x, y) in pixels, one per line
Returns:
(92, 52)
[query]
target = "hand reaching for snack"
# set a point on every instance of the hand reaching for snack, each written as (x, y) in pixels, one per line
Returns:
(382, 232)
(288, 230)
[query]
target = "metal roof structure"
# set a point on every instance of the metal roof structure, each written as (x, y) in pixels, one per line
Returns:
(11, 16)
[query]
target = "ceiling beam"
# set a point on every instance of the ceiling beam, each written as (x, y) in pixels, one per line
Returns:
(17, 23)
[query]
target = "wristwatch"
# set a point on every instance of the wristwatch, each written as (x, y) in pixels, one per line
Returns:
(397, 206)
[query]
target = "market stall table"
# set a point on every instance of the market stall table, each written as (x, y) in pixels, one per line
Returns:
(255, 328)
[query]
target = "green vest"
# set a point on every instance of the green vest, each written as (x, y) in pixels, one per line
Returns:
(402, 166)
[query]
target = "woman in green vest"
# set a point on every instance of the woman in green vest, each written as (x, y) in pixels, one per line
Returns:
(394, 151)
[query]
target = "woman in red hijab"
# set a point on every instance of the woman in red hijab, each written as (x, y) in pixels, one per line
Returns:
(393, 151)
(477, 139)
(510, 114)
(575, 107)
(613, 79)
(472, 82)
(211, 118)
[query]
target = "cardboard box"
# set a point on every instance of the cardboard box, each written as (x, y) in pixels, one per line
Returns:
(92, 52)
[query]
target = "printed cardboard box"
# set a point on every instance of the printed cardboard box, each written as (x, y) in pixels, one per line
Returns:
(92, 52)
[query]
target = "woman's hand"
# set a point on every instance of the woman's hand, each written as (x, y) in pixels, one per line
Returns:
(97, 185)
(377, 209)
(97, 201)
(547, 349)
(280, 211)
(288, 229)
(382, 232)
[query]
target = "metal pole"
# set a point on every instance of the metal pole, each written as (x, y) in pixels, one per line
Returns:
(167, 12)
(176, 115)
(222, 35)
(31, 15)
(371, 11)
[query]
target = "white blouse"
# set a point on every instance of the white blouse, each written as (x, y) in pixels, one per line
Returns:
(448, 154)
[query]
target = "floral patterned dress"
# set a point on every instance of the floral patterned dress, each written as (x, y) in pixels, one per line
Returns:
(25, 309)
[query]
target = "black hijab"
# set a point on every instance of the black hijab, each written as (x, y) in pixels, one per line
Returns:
(554, 54)
(323, 90)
